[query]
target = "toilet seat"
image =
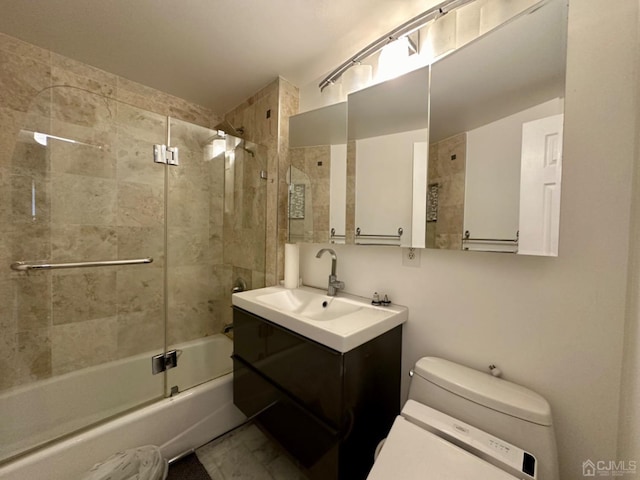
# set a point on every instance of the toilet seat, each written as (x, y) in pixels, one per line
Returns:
(413, 453)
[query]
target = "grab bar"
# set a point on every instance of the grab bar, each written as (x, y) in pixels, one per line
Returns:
(25, 267)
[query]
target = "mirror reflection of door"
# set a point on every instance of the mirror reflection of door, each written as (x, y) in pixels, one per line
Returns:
(490, 197)
(540, 179)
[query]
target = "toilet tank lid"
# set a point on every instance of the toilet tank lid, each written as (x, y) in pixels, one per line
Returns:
(485, 389)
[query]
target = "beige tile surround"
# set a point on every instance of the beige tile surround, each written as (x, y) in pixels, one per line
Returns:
(107, 203)
(265, 120)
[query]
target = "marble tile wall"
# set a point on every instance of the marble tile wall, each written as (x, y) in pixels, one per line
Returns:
(102, 199)
(447, 166)
(97, 200)
(265, 119)
(289, 104)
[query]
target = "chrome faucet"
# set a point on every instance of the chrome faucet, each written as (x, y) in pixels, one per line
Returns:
(334, 283)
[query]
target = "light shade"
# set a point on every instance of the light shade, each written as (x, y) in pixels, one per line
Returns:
(393, 60)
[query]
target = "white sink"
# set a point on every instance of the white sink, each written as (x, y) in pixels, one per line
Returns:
(342, 323)
(314, 305)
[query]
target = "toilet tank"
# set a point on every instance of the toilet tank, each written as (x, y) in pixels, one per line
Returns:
(501, 408)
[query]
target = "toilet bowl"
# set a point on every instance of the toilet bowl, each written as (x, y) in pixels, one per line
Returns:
(462, 424)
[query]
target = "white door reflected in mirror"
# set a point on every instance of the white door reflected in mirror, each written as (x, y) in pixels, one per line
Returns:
(540, 181)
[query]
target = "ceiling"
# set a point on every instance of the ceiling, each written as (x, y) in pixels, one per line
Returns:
(212, 52)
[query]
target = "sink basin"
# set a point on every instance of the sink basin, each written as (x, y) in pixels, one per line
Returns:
(342, 323)
(330, 309)
(312, 305)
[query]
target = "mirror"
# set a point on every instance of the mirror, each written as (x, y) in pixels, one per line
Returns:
(496, 138)
(465, 154)
(388, 128)
(317, 175)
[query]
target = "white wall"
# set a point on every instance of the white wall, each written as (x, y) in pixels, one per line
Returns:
(553, 324)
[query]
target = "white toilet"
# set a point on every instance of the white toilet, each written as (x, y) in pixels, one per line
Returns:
(463, 424)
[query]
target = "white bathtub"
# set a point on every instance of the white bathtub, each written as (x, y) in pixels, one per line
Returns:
(176, 424)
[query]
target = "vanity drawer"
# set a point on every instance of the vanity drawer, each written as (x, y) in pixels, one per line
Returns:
(307, 438)
(251, 392)
(311, 373)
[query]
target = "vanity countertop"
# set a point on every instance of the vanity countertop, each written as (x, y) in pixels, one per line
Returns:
(342, 323)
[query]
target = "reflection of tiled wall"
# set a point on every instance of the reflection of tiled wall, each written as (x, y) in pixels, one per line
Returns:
(447, 160)
(265, 119)
(315, 162)
(90, 204)
(350, 219)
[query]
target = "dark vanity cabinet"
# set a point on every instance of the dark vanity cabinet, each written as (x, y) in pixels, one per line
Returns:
(328, 409)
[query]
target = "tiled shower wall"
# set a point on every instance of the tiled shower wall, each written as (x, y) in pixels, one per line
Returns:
(97, 204)
(265, 120)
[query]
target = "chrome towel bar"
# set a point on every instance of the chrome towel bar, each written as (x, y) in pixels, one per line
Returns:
(379, 240)
(468, 238)
(25, 267)
(361, 235)
(491, 240)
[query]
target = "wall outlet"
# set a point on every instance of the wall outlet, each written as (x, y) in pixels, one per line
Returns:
(411, 257)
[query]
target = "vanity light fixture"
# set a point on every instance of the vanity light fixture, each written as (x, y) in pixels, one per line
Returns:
(400, 32)
(394, 59)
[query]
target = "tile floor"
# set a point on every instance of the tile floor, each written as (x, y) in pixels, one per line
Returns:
(247, 454)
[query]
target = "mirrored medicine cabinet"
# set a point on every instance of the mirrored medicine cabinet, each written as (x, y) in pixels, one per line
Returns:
(462, 154)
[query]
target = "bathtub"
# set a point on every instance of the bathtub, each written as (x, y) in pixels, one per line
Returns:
(177, 424)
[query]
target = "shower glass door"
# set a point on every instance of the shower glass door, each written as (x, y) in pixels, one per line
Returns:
(216, 200)
(79, 185)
